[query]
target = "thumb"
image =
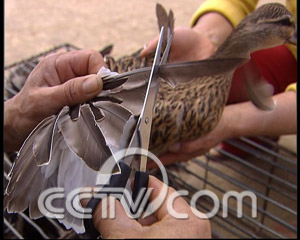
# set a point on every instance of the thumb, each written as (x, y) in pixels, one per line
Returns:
(149, 47)
(110, 218)
(77, 90)
(117, 224)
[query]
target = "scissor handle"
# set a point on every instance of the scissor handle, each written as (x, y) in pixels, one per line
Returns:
(116, 180)
(141, 180)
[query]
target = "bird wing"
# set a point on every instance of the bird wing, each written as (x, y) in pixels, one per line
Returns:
(175, 73)
(259, 91)
(84, 137)
(164, 20)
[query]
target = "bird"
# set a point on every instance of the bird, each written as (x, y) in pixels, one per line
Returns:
(68, 149)
(176, 114)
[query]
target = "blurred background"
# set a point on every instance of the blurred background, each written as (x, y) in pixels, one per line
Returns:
(34, 26)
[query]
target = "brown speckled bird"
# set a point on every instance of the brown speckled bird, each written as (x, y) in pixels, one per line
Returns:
(193, 109)
(67, 150)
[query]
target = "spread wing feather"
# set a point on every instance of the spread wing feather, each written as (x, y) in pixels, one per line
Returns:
(259, 91)
(116, 116)
(85, 138)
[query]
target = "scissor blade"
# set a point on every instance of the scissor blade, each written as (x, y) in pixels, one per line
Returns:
(149, 99)
(141, 134)
(147, 111)
(167, 49)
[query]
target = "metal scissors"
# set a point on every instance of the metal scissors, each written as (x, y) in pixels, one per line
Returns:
(139, 139)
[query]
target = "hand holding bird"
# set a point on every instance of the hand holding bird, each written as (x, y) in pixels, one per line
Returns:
(58, 80)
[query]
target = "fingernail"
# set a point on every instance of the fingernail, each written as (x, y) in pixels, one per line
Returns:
(175, 148)
(92, 84)
(145, 46)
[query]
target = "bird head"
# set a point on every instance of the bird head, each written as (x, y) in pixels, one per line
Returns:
(268, 26)
(272, 23)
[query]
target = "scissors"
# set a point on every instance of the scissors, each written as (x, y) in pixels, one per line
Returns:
(139, 139)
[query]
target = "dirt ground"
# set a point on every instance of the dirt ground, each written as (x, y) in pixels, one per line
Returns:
(34, 26)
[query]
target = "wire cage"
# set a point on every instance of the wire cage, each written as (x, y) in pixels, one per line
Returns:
(263, 167)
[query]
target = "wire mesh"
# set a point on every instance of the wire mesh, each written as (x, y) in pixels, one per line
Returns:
(264, 167)
(19, 225)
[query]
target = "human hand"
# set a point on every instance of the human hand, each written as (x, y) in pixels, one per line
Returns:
(159, 225)
(198, 42)
(187, 45)
(58, 80)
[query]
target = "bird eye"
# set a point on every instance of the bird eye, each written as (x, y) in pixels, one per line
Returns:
(285, 22)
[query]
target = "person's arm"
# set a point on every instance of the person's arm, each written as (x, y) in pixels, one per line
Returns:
(211, 24)
(241, 119)
(58, 80)
(159, 225)
(233, 10)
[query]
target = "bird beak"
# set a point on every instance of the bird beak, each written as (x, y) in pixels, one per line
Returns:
(293, 38)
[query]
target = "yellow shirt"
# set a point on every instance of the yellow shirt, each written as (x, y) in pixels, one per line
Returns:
(292, 87)
(236, 10)
(233, 10)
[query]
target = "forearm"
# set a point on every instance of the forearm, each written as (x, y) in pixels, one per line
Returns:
(247, 120)
(218, 18)
(11, 136)
(22, 114)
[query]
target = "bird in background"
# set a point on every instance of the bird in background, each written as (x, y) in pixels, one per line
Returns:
(67, 150)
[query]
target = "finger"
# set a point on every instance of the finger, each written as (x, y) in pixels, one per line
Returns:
(61, 67)
(110, 218)
(77, 90)
(150, 47)
(147, 221)
(157, 187)
(193, 147)
(170, 158)
(85, 195)
(179, 204)
(117, 225)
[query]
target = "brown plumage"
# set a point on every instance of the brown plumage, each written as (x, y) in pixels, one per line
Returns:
(193, 109)
(67, 150)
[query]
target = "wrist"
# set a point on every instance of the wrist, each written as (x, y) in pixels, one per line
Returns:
(244, 119)
(214, 26)
(231, 122)
(16, 124)
(10, 132)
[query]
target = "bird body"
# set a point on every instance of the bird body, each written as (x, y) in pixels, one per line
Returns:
(194, 109)
(188, 111)
(67, 150)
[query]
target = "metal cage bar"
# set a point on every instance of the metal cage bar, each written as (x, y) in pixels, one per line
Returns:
(268, 183)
